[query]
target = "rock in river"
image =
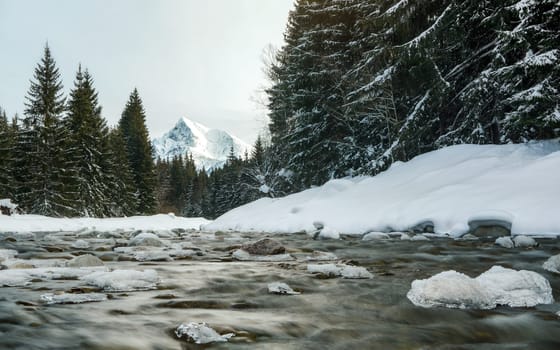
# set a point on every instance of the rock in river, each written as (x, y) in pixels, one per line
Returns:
(265, 246)
(85, 260)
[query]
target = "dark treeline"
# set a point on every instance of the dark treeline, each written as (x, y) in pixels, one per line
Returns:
(61, 159)
(360, 84)
(184, 189)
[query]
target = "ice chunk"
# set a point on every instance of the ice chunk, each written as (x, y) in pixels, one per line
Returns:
(552, 264)
(450, 289)
(516, 288)
(23, 277)
(504, 242)
(375, 236)
(69, 298)
(152, 255)
(123, 280)
(524, 242)
(329, 270)
(242, 255)
(281, 288)
(354, 272)
(200, 333)
(321, 256)
(80, 244)
(332, 270)
(497, 286)
(145, 239)
(6, 254)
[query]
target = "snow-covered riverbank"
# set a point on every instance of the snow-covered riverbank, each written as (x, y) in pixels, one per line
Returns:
(448, 188)
(34, 223)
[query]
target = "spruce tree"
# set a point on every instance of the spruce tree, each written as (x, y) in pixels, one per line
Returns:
(89, 147)
(44, 167)
(122, 190)
(7, 144)
(132, 126)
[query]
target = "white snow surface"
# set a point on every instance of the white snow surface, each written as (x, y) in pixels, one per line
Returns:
(208, 147)
(448, 187)
(497, 286)
(201, 333)
(37, 223)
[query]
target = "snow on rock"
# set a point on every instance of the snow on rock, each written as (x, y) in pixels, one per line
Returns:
(504, 242)
(553, 264)
(450, 289)
(524, 242)
(345, 271)
(37, 223)
(405, 237)
(497, 286)
(281, 288)
(243, 255)
(85, 261)
(145, 239)
(69, 298)
(517, 182)
(328, 233)
(375, 236)
(201, 333)
(516, 288)
(123, 280)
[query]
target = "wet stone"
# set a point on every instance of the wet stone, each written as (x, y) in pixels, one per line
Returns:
(265, 246)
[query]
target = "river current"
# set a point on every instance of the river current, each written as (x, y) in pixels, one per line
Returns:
(232, 296)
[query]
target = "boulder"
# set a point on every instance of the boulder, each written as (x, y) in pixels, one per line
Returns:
(490, 227)
(423, 227)
(265, 246)
(85, 260)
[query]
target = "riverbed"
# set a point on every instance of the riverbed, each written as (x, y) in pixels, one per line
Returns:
(208, 285)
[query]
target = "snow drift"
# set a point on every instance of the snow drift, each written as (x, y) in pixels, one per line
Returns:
(448, 187)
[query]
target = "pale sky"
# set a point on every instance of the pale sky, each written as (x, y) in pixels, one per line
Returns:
(195, 58)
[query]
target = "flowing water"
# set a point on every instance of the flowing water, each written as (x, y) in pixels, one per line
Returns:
(232, 296)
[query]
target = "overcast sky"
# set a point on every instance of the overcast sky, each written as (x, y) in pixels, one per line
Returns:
(194, 58)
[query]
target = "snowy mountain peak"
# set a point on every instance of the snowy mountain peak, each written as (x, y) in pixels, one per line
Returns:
(209, 147)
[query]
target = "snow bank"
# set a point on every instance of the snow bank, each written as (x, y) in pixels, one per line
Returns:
(448, 187)
(497, 286)
(35, 223)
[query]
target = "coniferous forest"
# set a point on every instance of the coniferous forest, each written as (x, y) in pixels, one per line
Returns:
(357, 86)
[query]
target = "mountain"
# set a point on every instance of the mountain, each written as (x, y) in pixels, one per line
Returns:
(209, 147)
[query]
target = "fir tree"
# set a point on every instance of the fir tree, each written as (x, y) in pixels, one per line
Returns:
(132, 126)
(122, 191)
(89, 147)
(44, 169)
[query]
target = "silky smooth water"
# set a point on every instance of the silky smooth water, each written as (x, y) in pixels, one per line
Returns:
(232, 296)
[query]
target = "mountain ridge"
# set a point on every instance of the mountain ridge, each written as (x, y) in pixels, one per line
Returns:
(208, 147)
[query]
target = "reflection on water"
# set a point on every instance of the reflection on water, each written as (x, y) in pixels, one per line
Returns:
(232, 297)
